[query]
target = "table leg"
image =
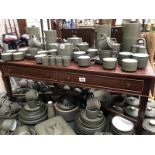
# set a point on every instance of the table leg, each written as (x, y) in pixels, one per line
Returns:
(141, 114)
(7, 85)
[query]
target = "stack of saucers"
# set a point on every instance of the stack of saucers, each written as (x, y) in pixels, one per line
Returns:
(121, 126)
(88, 126)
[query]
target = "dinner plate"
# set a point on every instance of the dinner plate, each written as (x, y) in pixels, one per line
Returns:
(122, 124)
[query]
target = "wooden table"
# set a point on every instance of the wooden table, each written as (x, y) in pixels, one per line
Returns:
(136, 83)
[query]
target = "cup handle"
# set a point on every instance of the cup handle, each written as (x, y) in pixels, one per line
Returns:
(114, 40)
(100, 114)
(92, 60)
(114, 54)
(143, 39)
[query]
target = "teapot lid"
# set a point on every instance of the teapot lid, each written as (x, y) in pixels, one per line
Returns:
(149, 125)
(133, 101)
(150, 112)
(131, 111)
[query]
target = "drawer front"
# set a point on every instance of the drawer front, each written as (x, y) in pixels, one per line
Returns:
(111, 83)
(30, 73)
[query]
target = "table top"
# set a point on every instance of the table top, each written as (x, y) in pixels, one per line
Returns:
(148, 72)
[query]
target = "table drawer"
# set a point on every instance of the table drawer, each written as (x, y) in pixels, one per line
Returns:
(111, 83)
(31, 73)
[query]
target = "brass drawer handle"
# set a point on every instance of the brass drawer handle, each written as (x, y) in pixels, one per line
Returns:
(47, 75)
(9, 70)
(128, 85)
(68, 78)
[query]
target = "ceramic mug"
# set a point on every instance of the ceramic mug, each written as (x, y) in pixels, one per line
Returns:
(9, 125)
(5, 110)
(45, 60)
(93, 114)
(66, 60)
(52, 60)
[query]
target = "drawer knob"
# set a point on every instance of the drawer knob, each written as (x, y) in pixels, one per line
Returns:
(128, 85)
(47, 75)
(9, 70)
(68, 78)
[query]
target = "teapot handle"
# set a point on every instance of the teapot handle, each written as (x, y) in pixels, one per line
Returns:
(142, 39)
(114, 40)
(76, 49)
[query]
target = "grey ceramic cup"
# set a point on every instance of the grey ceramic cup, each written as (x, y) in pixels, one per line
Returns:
(33, 51)
(45, 60)
(6, 56)
(93, 114)
(52, 60)
(58, 60)
(84, 60)
(23, 130)
(66, 60)
(14, 108)
(142, 59)
(9, 125)
(92, 52)
(77, 54)
(141, 49)
(123, 55)
(18, 56)
(39, 58)
(109, 63)
(104, 54)
(116, 47)
(5, 110)
(134, 48)
(31, 95)
(129, 65)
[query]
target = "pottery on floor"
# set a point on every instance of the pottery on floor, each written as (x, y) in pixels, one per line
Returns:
(22, 130)
(131, 111)
(150, 112)
(9, 124)
(118, 100)
(132, 101)
(149, 126)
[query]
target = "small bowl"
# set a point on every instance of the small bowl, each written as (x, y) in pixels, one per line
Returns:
(77, 54)
(123, 55)
(18, 56)
(109, 63)
(6, 56)
(39, 58)
(142, 59)
(84, 61)
(92, 52)
(129, 65)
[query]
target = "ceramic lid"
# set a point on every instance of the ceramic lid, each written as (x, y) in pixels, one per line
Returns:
(40, 55)
(140, 55)
(150, 112)
(132, 111)
(125, 53)
(18, 53)
(122, 124)
(53, 50)
(83, 43)
(6, 54)
(133, 101)
(149, 125)
(80, 52)
(84, 57)
(92, 50)
(151, 103)
(109, 59)
(128, 60)
(11, 51)
(42, 52)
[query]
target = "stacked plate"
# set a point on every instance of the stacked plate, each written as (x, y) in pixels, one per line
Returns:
(87, 126)
(122, 126)
(32, 116)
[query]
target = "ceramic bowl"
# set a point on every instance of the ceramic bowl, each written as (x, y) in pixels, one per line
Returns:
(129, 65)
(83, 46)
(109, 63)
(6, 56)
(92, 52)
(77, 54)
(33, 51)
(84, 61)
(39, 58)
(123, 55)
(18, 56)
(142, 59)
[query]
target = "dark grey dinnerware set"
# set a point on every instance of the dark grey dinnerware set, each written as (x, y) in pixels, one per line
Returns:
(131, 55)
